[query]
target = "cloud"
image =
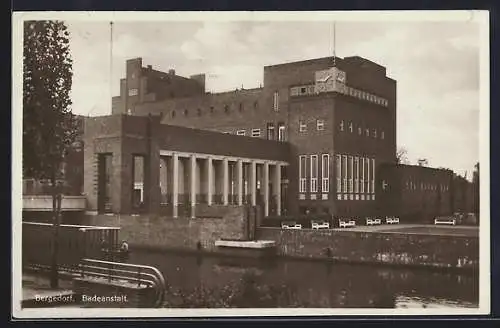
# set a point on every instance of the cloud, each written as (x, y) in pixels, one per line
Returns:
(435, 64)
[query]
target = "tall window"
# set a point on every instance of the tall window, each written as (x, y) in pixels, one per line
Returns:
(325, 173)
(338, 173)
(350, 127)
(382, 135)
(314, 173)
(320, 125)
(255, 132)
(341, 126)
(240, 132)
(281, 131)
(270, 131)
(360, 130)
(276, 101)
(302, 173)
(362, 182)
(351, 174)
(356, 174)
(344, 171)
(374, 133)
(302, 126)
(368, 173)
(373, 175)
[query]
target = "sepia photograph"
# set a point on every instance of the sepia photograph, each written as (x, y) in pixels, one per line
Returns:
(199, 164)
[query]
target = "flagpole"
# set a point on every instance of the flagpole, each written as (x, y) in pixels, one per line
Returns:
(111, 65)
(334, 45)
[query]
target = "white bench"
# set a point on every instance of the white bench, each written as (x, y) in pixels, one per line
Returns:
(446, 221)
(370, 221)
(291, 226)
(347, 224)
(320, 225)
(391, 220)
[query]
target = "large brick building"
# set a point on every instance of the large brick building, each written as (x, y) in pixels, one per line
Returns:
(336, 117)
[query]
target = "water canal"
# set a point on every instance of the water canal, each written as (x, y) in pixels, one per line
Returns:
(220, 282)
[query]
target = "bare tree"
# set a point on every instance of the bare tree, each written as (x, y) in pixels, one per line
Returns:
(402, 156)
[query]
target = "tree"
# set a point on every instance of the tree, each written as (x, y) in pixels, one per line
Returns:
(475, 186)
(49, 127)
(402, 156)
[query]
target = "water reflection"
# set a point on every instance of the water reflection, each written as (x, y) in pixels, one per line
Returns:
(212, 282)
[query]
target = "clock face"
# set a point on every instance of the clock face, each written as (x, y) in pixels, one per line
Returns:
(341, 76)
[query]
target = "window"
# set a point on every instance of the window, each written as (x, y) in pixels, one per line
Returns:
(373, 177)
(338, 164)
(198, 111)
(351, 174)
(302, 173)
(356, 175)
(240, 132)
(211, 109)
(276, 100)
(302, 126)
(382, 135)
(374, 133)
(173, 113)
(241, 107)
(368, 173)
(226, 109)
(256, 105)
(133, 92)
(270, 131)
(255, 132)
(129, 111)
(320, 125)
(281, 131)
(350, 127)
(186, 112)
(344, 175)
(325, 173)
(314, 173)
(367, 132)
(362, 182)
(360, 130)
(341, 126)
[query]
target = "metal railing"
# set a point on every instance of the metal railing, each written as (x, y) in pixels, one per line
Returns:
(139, 275)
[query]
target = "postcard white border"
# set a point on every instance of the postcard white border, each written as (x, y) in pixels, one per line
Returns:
(481, 17)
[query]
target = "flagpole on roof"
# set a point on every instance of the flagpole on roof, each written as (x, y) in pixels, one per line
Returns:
(334, 45)
(111, 65)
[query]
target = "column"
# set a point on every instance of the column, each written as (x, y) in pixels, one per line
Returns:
(192, 184)
(210, 182)
(266, 189)
(175, 185)
(225, 181)
(239, 173)
(253, 182)
(277, 188)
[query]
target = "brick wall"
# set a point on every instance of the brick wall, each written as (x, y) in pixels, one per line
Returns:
(182, 233)
(371, 247)
(416, 193)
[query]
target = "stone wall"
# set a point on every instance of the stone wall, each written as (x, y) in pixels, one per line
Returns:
(371, 247)
(165, 233)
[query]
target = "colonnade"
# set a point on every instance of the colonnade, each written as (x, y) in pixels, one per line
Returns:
(193, 178)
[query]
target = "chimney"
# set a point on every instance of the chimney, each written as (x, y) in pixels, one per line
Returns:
(171, 71)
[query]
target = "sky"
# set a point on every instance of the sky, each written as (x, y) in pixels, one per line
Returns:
(435, 64)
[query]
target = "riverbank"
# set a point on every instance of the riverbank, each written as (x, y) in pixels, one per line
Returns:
(426, 246)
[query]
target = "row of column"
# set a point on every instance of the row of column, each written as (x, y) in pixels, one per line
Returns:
(210, 184)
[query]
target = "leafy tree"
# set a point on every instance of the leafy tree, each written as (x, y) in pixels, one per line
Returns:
(49, 127)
